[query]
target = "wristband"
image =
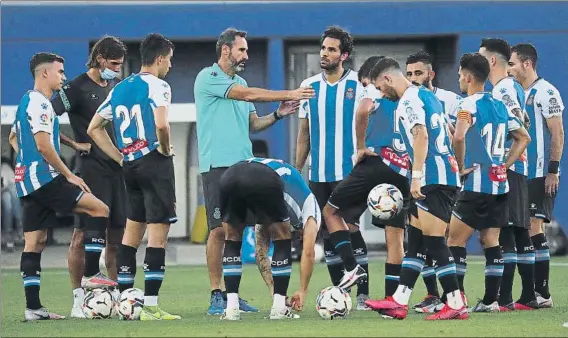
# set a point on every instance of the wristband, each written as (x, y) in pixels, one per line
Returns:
(276, 116)
(416, 174)
(553, 167)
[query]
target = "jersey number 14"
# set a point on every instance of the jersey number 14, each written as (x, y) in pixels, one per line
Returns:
(495, 147)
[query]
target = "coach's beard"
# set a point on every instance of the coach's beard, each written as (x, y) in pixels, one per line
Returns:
(329, 66)
(238, 66)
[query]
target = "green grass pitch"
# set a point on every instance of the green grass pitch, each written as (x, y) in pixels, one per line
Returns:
(186, 292)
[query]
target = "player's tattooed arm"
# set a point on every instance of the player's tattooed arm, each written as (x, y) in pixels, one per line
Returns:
(303, 144)
(420, 146)
(262, 237)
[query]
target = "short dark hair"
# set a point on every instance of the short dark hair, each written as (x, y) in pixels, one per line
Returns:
(526, 51)
(109, 47)
(345, 39)
(227, 38)
(154, 45)
(477, 65)
(41, 58)
(499, 46)
(365, 69)
(382, 66)
(421, 56)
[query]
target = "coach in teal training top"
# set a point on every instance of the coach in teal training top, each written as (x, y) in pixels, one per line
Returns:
(222, 123)
(225, 117)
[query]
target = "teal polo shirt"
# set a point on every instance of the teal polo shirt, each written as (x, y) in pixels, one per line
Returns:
(222, 123)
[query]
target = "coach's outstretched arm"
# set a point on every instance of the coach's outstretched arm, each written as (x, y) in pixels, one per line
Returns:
(285, 108)
(521, 139)
(242, 93)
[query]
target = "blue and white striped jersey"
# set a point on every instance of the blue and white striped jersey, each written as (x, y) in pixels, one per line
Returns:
(35, 114)
(419, 106)
(332, 125)
(512, 94)
(382, 136)
(543, 102)
(302, 204)
(450, 102)
(485, 143)
(130, 106)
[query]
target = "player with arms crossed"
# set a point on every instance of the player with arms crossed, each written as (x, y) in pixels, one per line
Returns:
(482, 126)
(544, 108)
(43, 182)
(258, 185)
(434, 185)
(305, 217)
(80, 98)
(419, 70)
(326, 134)
(376, 132)
(514, 238)
(138, 108)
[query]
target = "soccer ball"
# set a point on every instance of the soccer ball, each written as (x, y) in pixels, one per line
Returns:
(98, 304)
(385, 201)
(333, 302)
(130, 304)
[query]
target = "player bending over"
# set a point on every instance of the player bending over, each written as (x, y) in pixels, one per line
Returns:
(267, 187)
(305, 217)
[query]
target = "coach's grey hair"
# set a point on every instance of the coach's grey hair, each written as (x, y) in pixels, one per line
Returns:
(228, 38)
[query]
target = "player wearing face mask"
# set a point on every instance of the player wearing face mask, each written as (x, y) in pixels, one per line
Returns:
(80, 98)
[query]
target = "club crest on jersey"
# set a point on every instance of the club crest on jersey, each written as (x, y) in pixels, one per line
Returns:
(350, 94)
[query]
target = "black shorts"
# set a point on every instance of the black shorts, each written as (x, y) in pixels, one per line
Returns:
(351, 194)
(110, 190)
(39, 207)
(254, 186)
(482, 211)
(540, 204)
(518, 200)
(439, 201)
(211, 181)
(150, 189)
(322, 191)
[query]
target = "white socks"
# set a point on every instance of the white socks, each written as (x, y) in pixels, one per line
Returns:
(78, 296)
(279, 301)
(455, 300)
(232, 301)
(150, 300)
(402, 294)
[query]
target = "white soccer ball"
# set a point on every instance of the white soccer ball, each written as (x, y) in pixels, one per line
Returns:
(333, 302)
(385, 201)
(98, 304)
(130, 304)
